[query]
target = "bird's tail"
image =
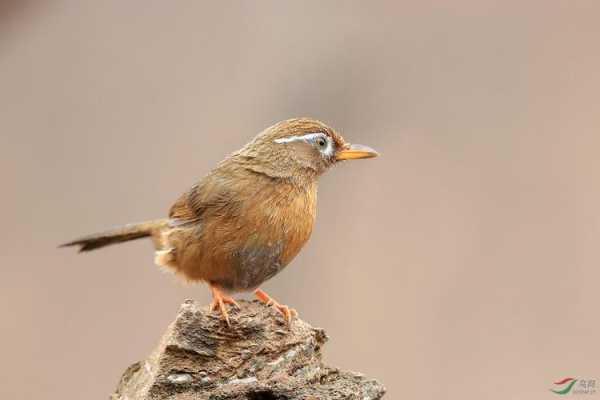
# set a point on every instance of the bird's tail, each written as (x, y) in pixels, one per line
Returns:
(121, 234)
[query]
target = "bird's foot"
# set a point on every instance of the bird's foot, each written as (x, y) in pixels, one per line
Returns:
(287, 312)
(219, 301)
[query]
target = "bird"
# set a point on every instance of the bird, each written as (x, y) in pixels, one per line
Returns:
(248, 218)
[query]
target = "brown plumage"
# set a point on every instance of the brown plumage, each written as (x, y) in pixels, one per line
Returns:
(249, 217)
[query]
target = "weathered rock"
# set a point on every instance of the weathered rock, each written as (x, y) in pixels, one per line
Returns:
(259, 357)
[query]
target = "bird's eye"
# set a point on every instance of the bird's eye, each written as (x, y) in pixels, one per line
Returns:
(321, 142)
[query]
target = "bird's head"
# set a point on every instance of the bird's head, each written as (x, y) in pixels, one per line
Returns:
(301, 147)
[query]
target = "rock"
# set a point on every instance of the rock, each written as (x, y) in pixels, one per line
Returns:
(258, 358)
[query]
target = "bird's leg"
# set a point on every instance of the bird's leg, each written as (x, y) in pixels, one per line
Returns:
(219, 301)
(288, 313)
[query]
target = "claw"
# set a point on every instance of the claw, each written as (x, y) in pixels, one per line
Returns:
(287, 312)
(219, 301)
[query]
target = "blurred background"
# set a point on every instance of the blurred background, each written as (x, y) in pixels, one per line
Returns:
(463, 263)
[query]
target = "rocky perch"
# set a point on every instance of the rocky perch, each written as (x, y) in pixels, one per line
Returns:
(259, 357)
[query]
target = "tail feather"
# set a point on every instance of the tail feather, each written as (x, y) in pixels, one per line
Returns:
(121, 234)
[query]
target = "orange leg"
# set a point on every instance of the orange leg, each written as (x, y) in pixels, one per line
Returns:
(288, 313)
(219, 301)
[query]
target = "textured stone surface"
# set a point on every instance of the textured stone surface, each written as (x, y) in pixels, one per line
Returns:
(259, 357)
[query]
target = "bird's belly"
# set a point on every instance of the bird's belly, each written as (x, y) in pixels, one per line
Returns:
(254, 264)
(234, 255)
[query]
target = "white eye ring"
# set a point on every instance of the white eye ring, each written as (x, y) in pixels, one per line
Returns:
(324, 143)
(309, 137)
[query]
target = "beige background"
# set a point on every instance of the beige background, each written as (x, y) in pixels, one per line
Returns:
(462, 264)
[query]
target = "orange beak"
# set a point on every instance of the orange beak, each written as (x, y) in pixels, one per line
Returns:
(355, 152)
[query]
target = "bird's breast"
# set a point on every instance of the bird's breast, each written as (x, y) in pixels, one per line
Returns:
(275, 226)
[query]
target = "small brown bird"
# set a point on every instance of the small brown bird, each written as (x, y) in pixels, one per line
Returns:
(249, 217)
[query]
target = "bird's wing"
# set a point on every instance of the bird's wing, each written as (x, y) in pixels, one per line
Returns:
(213, 195)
